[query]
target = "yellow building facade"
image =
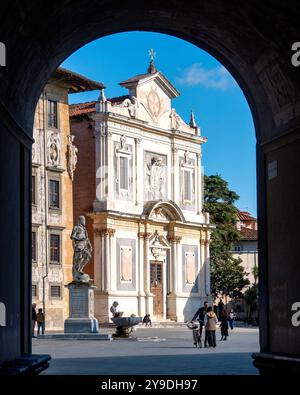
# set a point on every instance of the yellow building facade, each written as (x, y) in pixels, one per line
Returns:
(54, 158)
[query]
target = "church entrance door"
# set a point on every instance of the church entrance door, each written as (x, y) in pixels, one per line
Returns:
(156, 287)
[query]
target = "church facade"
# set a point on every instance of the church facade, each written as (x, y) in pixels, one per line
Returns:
(139, 182)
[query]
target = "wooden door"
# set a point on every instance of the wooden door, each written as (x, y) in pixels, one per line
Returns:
(156, 287)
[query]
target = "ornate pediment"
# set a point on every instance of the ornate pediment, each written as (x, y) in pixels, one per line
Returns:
(157, 244)
(163, 210)
(160, 214)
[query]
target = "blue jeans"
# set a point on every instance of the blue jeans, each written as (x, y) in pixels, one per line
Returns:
(41, 326)
(231, 320)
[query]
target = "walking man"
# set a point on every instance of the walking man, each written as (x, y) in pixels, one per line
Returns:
(201, 312)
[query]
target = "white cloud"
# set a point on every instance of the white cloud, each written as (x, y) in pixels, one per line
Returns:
(218, 77)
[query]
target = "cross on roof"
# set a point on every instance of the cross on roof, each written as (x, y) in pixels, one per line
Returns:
(152, 54)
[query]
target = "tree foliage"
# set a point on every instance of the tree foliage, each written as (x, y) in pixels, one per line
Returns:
(227, 273)
(251, 300)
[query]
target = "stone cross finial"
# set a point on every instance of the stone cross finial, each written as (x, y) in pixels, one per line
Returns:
(152, 55)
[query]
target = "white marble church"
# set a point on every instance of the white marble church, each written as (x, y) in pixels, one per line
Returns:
(150, 235)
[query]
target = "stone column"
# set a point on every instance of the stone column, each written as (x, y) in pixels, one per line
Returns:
(112, 279)
(98, 259)
(141, 289)
(107, 234)
(172, 297)
(175, 176)
(207, 265)
(174, 240)
(110, 167)
(101, 164)
(202, 265)
(198, 188)
(147, 270)
(138, 173)
(176, 264)
(172, 265)
(146, 237)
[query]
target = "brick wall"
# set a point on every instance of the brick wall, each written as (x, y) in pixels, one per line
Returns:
(84, 177)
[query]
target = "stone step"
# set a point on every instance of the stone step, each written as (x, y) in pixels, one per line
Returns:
(156, 324)
(76, 336)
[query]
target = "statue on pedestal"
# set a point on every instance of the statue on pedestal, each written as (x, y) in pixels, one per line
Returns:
(82, 251)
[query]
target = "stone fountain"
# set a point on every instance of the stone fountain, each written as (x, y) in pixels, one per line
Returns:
(125, 325)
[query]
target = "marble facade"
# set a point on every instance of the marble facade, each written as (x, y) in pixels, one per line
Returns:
(150, 234)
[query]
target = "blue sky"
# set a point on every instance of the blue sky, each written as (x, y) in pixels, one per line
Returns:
(205, 86)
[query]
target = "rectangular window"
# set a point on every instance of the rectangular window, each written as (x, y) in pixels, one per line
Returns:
(33, 245)
(237, 248)
(52, 113)
(55, 291)
(187, 185)
(124, 173)
(54, 249)
(33, 188)
(53, 193)
(34, 290)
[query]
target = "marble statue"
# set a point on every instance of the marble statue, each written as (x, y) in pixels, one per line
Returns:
(156, 180)
(71, 156)
(82, 250)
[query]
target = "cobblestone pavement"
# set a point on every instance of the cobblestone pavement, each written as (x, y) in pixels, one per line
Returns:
(156, 351)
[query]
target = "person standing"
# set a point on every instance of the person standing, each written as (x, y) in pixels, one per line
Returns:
(231, 319)
(40, 321)
(210, 322)
(224, 325)
(33, 319)
(201, 312)
(220, 309)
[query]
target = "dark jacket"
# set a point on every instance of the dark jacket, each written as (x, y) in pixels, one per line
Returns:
(224, 326)
(33, 314)
(201, 313)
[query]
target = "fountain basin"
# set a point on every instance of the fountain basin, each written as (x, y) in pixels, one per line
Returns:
(125, 324)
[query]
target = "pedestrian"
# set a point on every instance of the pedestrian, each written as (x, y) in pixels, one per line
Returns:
(210, 322)
(201, 314)
(220, 309)
(40, 321)
(231, 319)
(224, 325)
(147, 320)
(33, 318)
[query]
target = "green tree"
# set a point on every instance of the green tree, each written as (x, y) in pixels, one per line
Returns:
(251, 296)
(227, 274)
(251, 301)
(255, 273)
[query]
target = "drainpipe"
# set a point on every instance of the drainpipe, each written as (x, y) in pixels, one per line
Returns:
(45, 263)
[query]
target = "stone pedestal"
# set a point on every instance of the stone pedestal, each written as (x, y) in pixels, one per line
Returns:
(81, 308)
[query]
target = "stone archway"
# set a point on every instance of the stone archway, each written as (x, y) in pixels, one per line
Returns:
(252, 40)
